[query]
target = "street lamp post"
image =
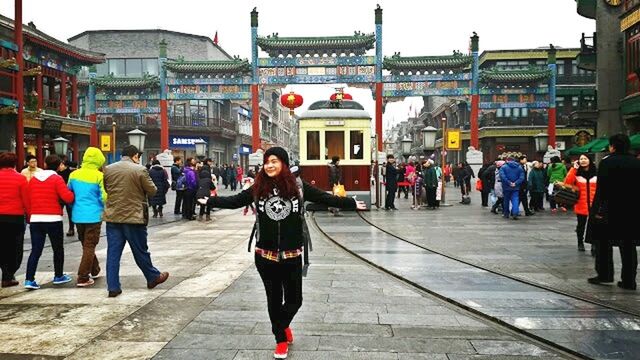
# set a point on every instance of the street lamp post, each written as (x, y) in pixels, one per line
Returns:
(113, 136)
(201, 148)
(542, 140)
(443, 160)
(60, 145)
(136, 138)
(406, 147)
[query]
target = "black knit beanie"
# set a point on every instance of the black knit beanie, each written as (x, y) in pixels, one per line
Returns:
(279, 152)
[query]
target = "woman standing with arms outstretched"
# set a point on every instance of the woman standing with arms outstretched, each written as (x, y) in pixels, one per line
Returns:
(279, 245)
(583, 175)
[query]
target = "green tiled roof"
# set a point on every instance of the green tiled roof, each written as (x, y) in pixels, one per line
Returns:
(358, 44)
(531, 75)
(426, 63)
(220, 66)
(115, 82)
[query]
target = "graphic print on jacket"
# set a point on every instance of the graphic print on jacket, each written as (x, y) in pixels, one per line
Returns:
(277, 208)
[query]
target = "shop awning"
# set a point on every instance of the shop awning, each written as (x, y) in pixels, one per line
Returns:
(635, 141)
(597, 145)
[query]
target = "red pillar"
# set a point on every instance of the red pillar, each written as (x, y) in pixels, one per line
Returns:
(63, 95)
(74, 95)
(379, 114)
(475, 108)
(76, 150)
(164, 126)
(19, 85)
(255, 118)
(40, 149)
(93, 138)
(552, 127)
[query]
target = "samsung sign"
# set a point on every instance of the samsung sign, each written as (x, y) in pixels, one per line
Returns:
(185, 142)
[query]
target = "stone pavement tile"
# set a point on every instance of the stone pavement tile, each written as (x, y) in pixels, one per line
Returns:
(158, 321)
(422, 320)
(116, 350)
(252, 316)
(405, 356)
(419, 309)
(196, 354)
(264, 328)
(632, 324)
(92, 296)
(351, 318)
(138, 281)
(384, 344)
(502, 347)
(294, 354)
(234, 342)
(238, 298)
(499, 357)
(445, 332)
(226, 328)
(65, 315)
(29, 357)
(387, 299)
(209, 284)
(52, 340)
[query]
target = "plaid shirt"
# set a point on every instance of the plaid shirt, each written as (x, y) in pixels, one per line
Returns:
(273, 255)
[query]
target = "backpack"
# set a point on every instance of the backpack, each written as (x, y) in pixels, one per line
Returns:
(181, 183)
(306, 236)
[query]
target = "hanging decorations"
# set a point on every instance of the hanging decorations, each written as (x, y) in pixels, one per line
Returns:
(291, 101)
(339, 96)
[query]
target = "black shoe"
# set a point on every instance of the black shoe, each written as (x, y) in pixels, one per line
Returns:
(515, 217)
(505, 216)
(113, 294)
(626, 287)
(528, 213)
(394, 208)
(581, 247)
(597, 281)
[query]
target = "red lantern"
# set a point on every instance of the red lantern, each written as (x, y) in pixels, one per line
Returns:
(340, 96)
(291, 101)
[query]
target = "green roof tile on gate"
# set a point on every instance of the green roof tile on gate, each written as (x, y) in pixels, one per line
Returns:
(530, 75)
(274, 43)
(218, 66)
(406, 63)
(119, 82)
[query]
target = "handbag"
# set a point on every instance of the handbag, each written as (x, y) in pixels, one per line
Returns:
(565, 194)
(479, 185)
(339, 190)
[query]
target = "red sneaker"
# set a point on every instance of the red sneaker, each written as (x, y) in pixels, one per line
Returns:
(282, 349)
(289, 335)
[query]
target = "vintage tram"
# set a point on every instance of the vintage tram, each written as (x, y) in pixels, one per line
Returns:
(337, 128)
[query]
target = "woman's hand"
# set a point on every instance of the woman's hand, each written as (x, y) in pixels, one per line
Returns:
(203, 201)
(360, 205)
(576, 165)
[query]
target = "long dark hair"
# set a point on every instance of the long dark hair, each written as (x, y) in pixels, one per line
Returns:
(285, 182)
(589, 172)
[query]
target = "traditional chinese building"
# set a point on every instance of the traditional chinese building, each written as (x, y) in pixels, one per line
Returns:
(50, 83)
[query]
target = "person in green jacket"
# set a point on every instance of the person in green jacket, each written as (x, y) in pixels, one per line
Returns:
(535, 185)
(556, 172)
(431, 183)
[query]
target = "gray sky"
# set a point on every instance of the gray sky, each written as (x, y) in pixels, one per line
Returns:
(417, 27)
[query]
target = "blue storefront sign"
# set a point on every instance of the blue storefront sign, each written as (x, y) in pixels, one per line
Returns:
(185, 142)
(244, 149)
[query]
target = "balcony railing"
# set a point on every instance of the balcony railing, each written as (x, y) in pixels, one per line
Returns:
(538, 120)
(201, 122)
(129, 122)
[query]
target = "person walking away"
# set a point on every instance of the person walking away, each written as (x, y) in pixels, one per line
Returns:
(391, 179)
(31, 168)
(335, 178)
(489, 181)
(468, 175)
(524, 188)
(191, 187)
(47, 191)
(232, 173)
(497, 188)
(430, 183)
(280, 236)
(536, 186)
(583, 176)
(205, 186)
(126, 213)
(176, 173)
(556, 172)
(401, 179)
(64, 171)
(484, 193)
(14, 205)
(511, 176)
(615, 223)
(161, 181)
(87, 185)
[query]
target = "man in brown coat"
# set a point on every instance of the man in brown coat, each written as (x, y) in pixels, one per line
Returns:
(126, 213)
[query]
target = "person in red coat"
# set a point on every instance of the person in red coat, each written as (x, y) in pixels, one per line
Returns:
(47, 191)
(583, 176)
(13, 208)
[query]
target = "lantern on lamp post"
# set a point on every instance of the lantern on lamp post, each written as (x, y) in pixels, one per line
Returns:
(136, 138)
(406, 147)
(429, 138)
(291, 101)
(201, 148)
(542, 141)
(60, 145)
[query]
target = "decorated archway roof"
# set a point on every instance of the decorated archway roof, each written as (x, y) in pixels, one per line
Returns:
(398, 63)
(357, 44)
(501, 76)
(219, 66)
(120, 82)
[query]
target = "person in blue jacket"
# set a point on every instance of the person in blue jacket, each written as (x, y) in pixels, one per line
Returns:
(512, 176)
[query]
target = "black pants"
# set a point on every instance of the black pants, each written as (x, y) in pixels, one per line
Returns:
(431, 196)
(629, 256)
(11, 248)
(484, 194)
(405, 190)
(39, 232)
(157, 209)
(179, 196)
(498, 205)
(205, 209)
(391, 197)
(536, 201)
(581, 227)
(525, 201)
(283, 286)
(68, 207)
(188, 204)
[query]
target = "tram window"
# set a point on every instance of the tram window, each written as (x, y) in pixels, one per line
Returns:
(313, 145)
(334, 141)
(356, 145)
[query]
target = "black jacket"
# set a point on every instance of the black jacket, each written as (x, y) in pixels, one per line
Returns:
(391, 176)
(205, 183)
(279, 219)
(160, 180)
(488, 177)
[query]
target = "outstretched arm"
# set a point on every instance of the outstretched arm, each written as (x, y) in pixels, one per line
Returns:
(244, 198)
(313, 194)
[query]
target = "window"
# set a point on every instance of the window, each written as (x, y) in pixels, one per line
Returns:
(574, 67)
(102, 69)
(198, 109)
(313, 145)
(116, 67)
(507, 112)
(575, 100)
(516, 112)
(560, 67)
(216, 110)
(334, 143)
(524, 112)
(356, 148)
(500, 113)
(150, 66)
(134, 67)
